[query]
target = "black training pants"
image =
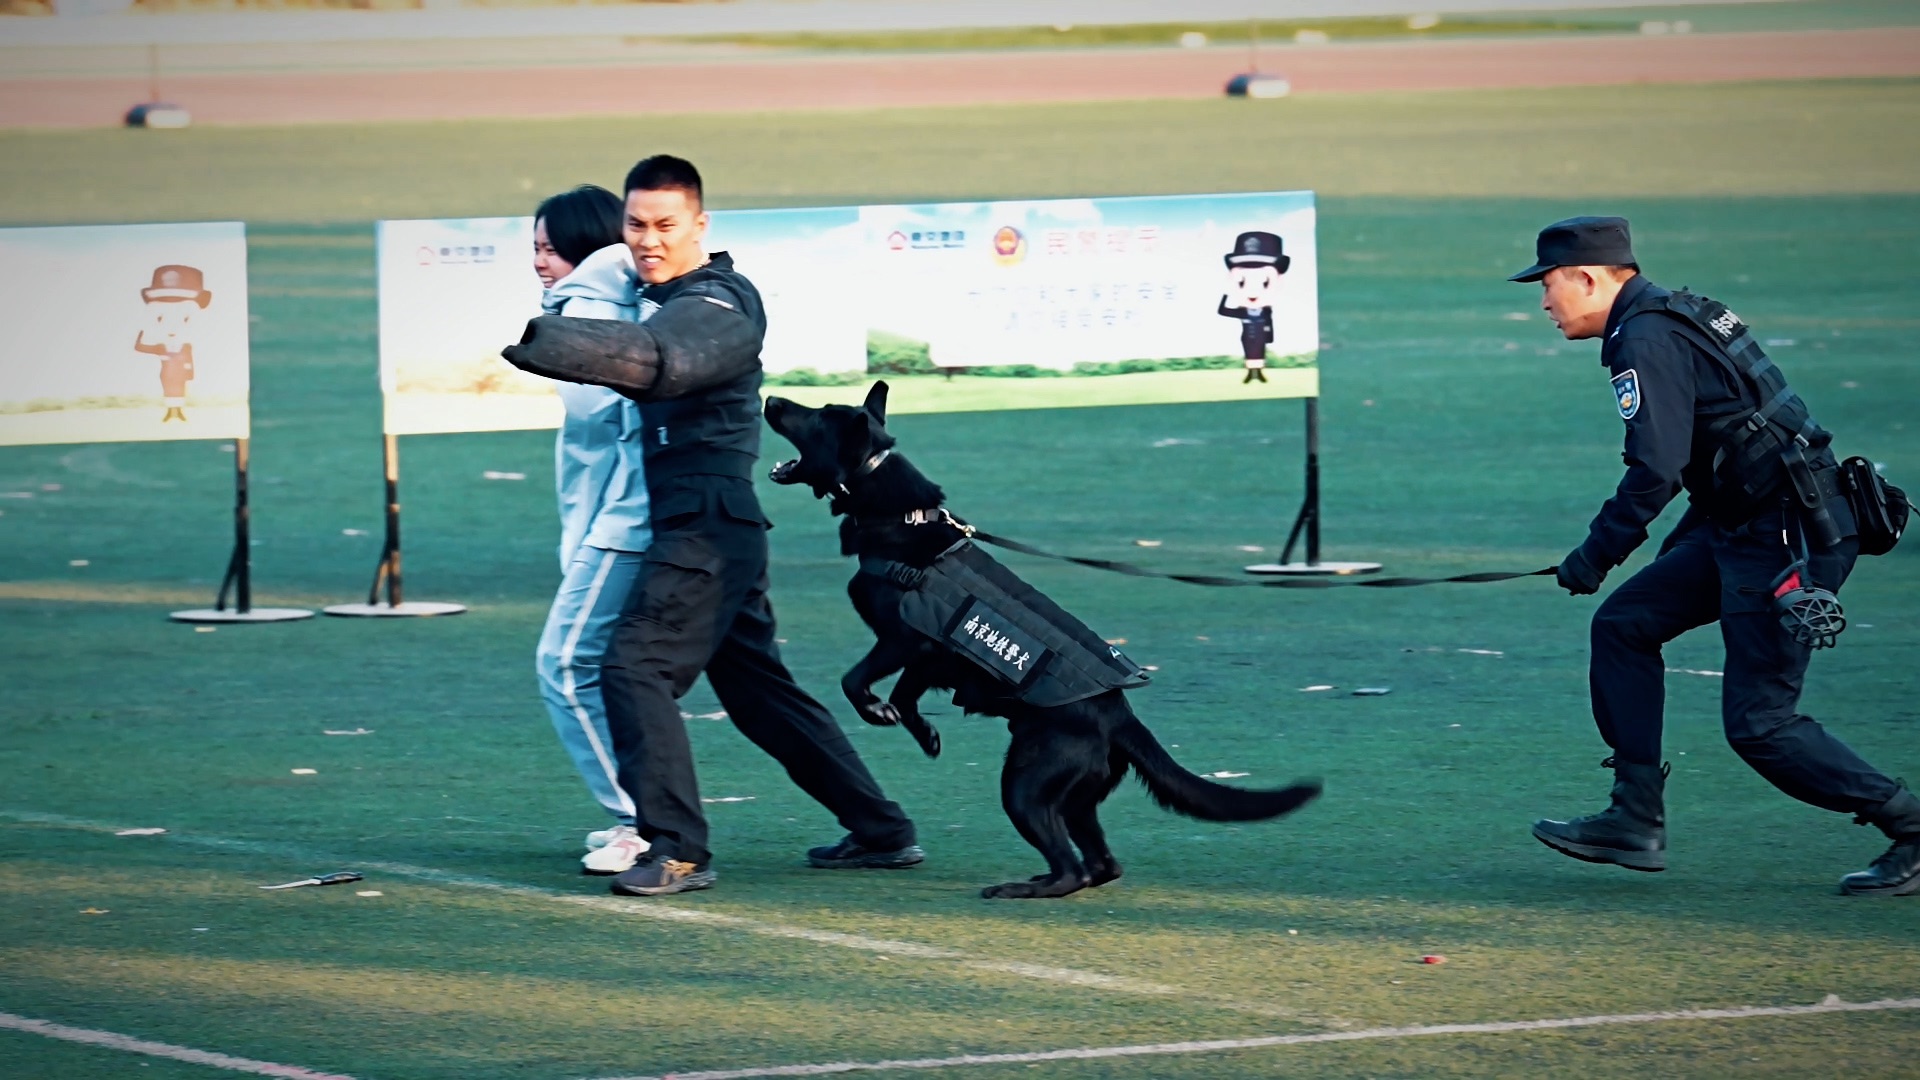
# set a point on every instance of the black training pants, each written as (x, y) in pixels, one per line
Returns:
(1712, 574)
(700, 604)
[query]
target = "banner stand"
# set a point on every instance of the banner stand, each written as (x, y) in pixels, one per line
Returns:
(388, 570)
(1308, 520)
(239, 576)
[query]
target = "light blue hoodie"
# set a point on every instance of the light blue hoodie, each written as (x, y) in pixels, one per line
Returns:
(598, 472)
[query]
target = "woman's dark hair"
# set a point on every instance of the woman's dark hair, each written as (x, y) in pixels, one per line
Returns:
(582, 221)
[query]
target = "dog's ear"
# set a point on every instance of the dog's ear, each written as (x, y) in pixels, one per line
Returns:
(877, 401)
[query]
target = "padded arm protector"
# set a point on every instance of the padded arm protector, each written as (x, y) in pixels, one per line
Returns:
(621, 356)
(695, 342)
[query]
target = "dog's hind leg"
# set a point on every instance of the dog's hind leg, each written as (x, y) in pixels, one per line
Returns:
(1032, 789)
(1083, 823)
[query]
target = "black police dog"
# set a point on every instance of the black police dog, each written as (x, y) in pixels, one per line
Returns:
(1064, 760)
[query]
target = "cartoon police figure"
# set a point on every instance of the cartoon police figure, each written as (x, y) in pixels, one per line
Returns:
(1253, 276)
(176, 295)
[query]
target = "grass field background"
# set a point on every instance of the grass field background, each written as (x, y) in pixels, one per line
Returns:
(1458, 436)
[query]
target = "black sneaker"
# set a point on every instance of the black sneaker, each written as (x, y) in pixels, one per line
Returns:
(1896, 873)
(848, 854)
(655, 875)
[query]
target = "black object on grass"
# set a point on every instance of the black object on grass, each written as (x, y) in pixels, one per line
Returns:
(330, 879)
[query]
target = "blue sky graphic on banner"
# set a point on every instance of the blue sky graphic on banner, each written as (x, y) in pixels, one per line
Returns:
(805, 264)
(117, 333)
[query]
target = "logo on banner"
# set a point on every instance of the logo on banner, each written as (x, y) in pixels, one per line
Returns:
(926, 239)
(1009, 246)
(456, 255)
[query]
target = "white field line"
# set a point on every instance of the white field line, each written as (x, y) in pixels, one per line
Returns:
(131, 1045)
(667, 912)
(1216, 1045)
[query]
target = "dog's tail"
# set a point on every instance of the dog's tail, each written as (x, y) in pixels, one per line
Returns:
(1196, 796)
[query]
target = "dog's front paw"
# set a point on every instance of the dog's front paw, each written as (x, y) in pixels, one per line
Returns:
(880, 714)
(923, 733)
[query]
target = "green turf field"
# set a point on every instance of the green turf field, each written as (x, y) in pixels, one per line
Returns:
(1458, 437)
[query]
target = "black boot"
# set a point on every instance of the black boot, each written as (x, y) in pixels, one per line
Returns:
(1896, 873)
(1632, 832)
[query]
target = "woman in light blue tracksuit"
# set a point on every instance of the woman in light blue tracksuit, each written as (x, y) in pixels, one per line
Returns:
(589, 273)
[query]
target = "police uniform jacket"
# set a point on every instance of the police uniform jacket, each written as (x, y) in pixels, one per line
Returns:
(1670, 386)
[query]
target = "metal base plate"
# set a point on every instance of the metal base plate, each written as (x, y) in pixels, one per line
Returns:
(1300, 569)
(405, 609)
(229, 615)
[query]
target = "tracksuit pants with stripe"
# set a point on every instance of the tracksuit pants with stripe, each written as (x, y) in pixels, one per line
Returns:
(578, 633)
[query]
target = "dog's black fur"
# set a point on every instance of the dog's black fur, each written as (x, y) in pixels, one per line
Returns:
(1063, 761)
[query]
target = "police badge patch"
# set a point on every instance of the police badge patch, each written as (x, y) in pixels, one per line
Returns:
(1626, 393)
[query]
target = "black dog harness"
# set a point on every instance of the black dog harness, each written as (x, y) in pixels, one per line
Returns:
(969, 602)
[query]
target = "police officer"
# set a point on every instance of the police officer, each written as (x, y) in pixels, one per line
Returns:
(1706, 411)
(700, 600)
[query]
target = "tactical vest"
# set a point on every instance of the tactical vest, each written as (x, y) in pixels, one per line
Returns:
(1761, 437)
(717, 431)
(1040, 654)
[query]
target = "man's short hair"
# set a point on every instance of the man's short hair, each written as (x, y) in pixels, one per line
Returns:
(664, 172)
(1624, 269)
(581, 222)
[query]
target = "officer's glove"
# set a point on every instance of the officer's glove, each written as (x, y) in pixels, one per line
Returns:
(621, 356)
(1578, 575)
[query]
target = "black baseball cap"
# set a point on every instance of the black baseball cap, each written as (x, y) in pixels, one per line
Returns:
(1580, 241)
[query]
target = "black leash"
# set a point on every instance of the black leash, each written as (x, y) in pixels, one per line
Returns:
(1258, 583)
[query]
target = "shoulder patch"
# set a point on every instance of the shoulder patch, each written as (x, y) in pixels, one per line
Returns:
(1626, 393)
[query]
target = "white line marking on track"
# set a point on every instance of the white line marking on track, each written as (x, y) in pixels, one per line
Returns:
(131, 1045)
(653, 909)
(1093, 1052)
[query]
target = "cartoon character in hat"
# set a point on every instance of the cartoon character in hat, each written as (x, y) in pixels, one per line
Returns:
(177, 294)
(1254, 267)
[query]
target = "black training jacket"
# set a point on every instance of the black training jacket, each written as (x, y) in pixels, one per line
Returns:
(704, 418)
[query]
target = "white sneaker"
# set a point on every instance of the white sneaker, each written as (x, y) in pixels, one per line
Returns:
(600, 838)
(619, 853)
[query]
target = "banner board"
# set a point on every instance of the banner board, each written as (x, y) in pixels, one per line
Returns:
(1117, 301)
(960, 306)
(453, 293)
(123, 333)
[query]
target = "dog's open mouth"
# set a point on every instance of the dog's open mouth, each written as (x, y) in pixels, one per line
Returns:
(783, 472)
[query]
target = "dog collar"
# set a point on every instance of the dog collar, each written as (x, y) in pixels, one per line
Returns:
(874, 462)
